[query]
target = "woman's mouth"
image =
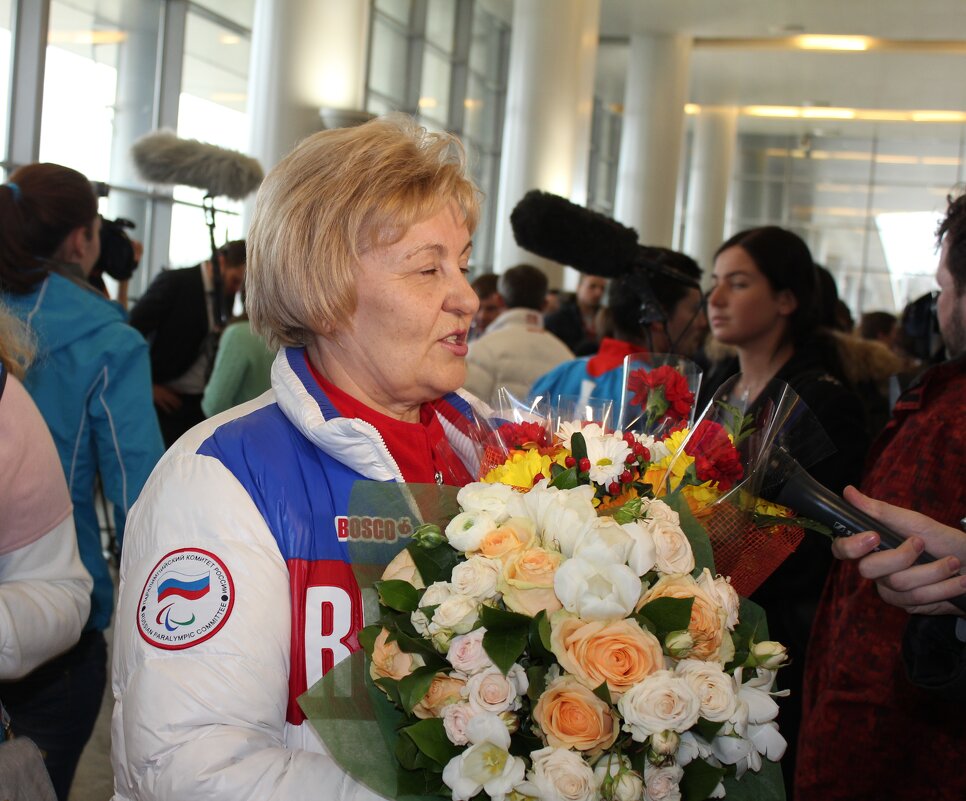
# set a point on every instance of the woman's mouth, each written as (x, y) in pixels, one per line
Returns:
(456, 343)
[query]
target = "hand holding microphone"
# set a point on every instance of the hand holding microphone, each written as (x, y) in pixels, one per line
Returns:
(930, 586)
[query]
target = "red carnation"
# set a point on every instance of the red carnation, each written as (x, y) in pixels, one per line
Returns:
(676, 391)
(715, 457)
(523, 435)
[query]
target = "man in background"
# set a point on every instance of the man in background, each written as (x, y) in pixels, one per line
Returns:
(515, 348)
(491, 303)
(574, 322)
(181, 319)
(867, 731)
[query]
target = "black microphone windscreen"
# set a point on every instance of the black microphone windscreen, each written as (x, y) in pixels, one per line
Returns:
(162, 158)
(554, 228)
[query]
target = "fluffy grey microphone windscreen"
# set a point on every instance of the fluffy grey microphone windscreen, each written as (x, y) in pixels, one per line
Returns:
(162, 158)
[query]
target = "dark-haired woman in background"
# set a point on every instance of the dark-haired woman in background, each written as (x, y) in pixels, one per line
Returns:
(765, 303)
(91, 381)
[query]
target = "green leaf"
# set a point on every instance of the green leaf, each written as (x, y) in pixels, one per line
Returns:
(646, 623)
(540, 637)
(391, 686)
(629, 512)
(765, 784)
(417, 645)
(506, 636)
(537, 678)
(578, 446)
(669, 614)
(430, 738)
(709, 728)
(434, 564)
(602, 691)
(399, 595)
(695, 532)
(565, 479)
(367, 637)
(699, 780)
(413, 688)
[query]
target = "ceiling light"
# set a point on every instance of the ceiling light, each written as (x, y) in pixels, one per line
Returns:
(810, 41)
(102, 37)
(229, 39)
(428, 102)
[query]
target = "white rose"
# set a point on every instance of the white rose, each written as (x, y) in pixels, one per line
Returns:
(489, 498)
(604, 542)
(457, 614)
(768, 654)
(559, 517)
(661, 701)
(467, 529)
(730, 601)
(491, 691)
(643, 552)
(562, 775)
(626, 785)
(663, 784)
(456, 718)
(659, 510)
(715, 688)
(435, 594)
(487, 764)
(466, 653)
(596, 593)
(673, 551)
(476, 577)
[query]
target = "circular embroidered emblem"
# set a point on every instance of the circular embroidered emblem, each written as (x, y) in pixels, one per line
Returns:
(186, 599)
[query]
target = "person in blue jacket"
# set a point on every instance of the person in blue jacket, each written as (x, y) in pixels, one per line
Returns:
(634, 331)
(91, 380)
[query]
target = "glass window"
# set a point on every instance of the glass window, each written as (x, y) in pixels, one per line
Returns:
(440, 22)
(80, 89)
(212, 109)
(399, 10)
(434, 89)
(387, 61)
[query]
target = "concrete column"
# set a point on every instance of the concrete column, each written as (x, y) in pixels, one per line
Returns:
(549, 105)
(306, 55)
(712, 156)
(650, 154)
(134, 116)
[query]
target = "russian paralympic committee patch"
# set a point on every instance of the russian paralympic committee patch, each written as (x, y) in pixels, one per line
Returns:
(186, 599)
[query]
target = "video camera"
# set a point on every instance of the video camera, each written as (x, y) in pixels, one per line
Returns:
(117, 251)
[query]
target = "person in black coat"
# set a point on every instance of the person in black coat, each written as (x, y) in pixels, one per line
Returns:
(181, 319)
(765, 303)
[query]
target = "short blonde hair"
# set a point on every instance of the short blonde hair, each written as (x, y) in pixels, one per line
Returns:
(338, 195)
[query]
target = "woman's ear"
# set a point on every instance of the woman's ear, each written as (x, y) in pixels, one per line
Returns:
(787, 302)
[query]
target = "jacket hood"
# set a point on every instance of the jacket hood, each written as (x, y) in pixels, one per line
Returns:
(866, 360)
(63, 312)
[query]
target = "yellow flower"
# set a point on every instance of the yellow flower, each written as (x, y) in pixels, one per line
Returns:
(520, 469)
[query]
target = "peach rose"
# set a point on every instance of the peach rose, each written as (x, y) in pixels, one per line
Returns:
(619, 652)
(527, 581)
(388, 662)
(444, 690)
(571, 716)
(708, 626)
(403, 568)
(501, 543)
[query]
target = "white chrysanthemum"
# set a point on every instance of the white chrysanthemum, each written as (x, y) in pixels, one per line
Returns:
(607, 457)
(655, 447)
(589, 430)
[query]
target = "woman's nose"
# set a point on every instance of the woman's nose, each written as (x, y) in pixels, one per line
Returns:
(461, 298)
(716, 296)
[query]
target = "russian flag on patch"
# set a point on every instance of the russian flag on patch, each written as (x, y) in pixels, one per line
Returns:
(184, 586)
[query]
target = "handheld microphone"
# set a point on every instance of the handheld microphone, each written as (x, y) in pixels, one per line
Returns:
(809, 498)
(162, 158)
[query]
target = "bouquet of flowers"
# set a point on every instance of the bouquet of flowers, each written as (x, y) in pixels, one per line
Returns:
(565, 636)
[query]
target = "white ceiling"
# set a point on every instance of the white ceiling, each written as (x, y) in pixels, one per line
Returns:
(876, 79)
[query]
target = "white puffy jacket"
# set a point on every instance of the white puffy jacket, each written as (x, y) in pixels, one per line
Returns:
(230, 556)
